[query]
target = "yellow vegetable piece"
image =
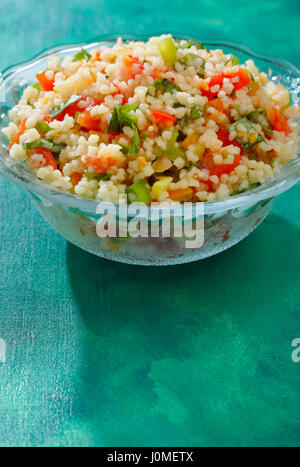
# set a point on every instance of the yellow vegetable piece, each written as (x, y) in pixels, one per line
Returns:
(199, 150)
(181, 194)
(141, 161)
(252, 138)
(253, 88)
(160, 186)
(204, 85)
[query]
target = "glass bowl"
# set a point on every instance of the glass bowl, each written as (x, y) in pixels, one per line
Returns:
(226, 222)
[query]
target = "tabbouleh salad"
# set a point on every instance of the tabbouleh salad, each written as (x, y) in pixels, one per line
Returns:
(166, 120)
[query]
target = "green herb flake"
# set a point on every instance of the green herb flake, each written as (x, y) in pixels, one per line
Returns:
(184, 121)
(114, 124)
(133, 147)
(46, 144)
(195, 164)
(37, 86)
(121, 117)
(195, 61)
(173, 151)
(248, 138)
(98, 177)
(81, 55)
(252, 186)
(177, 105)
(190, 43)
(60, 108)
(103, 177)
(145, 134)
(160, 86)
(260, 116)
(123, 149)
(233, 60)
(268, 131)
(252, 156)
(181, 136)
(195, 113)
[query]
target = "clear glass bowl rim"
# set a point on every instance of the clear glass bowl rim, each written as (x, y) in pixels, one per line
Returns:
(272, 188)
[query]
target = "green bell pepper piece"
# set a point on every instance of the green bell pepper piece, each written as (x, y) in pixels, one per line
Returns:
(168, 51)
(141, 191)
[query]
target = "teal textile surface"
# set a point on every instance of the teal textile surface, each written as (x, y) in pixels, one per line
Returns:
(104, 354)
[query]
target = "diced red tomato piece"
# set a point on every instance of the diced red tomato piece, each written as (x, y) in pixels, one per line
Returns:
(124, 100)
(20, 132)
(71, 111)
(243, 79)
(163, 117)
(280, 122)
(46, 83)
(156, 74)
(48, 156)
(99, 165)
(47, 118)
(133, 65)
(86, 120)
(268, 137)
(210, 185)
(120, 135)
(75, 108)
(75, 178)
(208, 163)
(239, 80)
(223, 135)
(216, 80)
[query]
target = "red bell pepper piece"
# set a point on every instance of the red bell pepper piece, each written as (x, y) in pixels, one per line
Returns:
(133, 65)
(210, 185)
(208, 163)
(71, 111)
(99, 165)
(48, 156)
(239, 80)
(163, 117)
(124, 100)
(280, 122)
(86, 120)
(75, 178)
(46, 83)
(20, 132)
(223, 135)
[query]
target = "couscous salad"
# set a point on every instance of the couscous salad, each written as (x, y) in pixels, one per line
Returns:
(163, 120)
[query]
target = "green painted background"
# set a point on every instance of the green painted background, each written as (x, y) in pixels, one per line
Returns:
(100, 353)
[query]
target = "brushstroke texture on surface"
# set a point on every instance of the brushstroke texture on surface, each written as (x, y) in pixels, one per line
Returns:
(99, 353)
